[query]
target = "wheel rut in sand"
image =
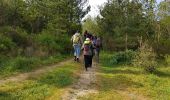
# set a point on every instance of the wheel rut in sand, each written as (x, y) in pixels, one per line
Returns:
(83, 86)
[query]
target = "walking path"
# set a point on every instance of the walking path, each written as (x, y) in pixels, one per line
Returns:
(84, 86)
(24, 76)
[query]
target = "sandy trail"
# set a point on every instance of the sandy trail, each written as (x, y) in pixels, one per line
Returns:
(84, 86)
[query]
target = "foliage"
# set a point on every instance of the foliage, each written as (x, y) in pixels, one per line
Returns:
(123, 57)
(146, 58)
(123, 20)
(6, 44)
(105, 59)
(34, 29)
(17, 35)
(36, 15)
(55, 43)
(91, 25)
(120, 23)
(21, 18)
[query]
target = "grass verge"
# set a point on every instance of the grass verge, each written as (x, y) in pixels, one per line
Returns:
(120, 82)
(49, 87)
(17, 65)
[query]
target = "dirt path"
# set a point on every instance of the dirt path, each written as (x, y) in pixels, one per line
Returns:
(24, 76)
(84, 86)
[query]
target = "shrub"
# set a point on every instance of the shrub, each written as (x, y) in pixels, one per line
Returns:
(6, 44)
(3, 60)
(146, 58)
(18, 35)
(123, 57)
(106, 59)
(10, 38)
(54, 43)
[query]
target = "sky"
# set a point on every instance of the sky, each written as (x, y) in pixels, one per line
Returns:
(94, 6)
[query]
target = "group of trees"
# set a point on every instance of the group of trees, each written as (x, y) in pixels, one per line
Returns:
(126, 22)
(36, 32)
(133, 24)
(40, 22)
(36, 15)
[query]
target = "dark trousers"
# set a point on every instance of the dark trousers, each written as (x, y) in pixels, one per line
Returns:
(87, 61)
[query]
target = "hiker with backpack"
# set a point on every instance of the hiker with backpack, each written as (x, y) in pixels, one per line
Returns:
(88, 53)
(77, 42)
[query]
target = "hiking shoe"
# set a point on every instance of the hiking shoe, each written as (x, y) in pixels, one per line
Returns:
(75, 58)
(78, 60)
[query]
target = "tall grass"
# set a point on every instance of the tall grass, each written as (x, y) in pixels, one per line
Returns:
(20, 64)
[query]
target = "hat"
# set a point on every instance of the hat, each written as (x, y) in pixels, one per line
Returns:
(87, 39)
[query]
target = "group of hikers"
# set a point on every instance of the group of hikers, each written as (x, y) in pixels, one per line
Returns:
(90, 45)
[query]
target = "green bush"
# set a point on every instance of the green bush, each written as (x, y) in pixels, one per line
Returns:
(6, 44)
(3, 60)
(5, 29)
(146, 58)
(123, 57)
(105, 59)
(54, 43)
(17, 35)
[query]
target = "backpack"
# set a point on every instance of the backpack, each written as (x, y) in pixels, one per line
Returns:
(76, 39)
(87, 47)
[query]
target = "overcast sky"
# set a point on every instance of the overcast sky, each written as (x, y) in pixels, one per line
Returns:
(94, 6)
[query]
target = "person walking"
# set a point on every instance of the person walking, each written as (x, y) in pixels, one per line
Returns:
(77, 42)
(87, 52)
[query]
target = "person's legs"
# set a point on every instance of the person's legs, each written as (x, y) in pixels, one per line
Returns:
(86, 61)
(78, 52)
(74, 52)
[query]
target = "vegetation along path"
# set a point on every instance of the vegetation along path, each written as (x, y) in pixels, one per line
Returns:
(35, 73)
